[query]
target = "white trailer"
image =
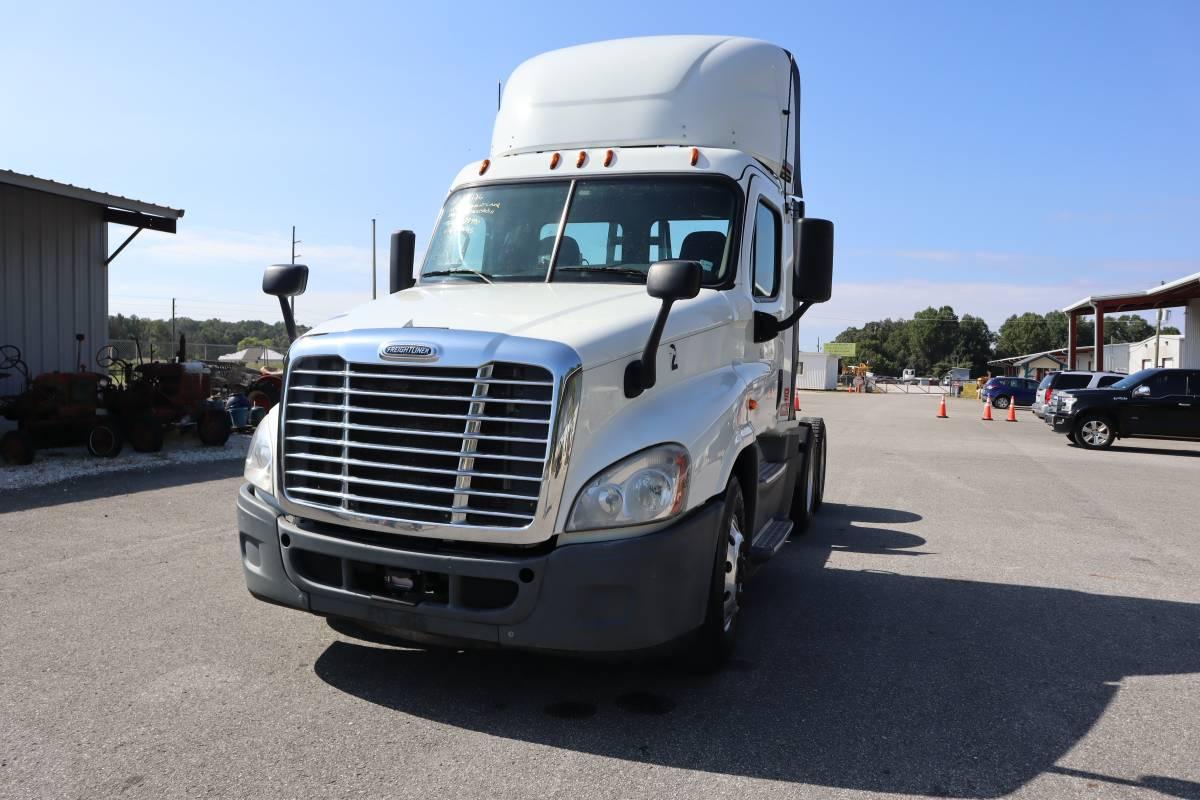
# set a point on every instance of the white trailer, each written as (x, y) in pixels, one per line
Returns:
(574, 432)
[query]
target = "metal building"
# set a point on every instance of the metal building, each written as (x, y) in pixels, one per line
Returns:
(54, 257)
(816, 371)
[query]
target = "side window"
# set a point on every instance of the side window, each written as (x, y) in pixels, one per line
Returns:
(1194, 384)
(1168, 384)
(1073, 381)
(1108, 380)
(765, 255)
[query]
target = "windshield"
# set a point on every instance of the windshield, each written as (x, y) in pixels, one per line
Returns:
(1133, 380)
(614, 230)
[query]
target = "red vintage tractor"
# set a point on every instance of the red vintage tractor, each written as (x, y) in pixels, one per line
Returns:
(56, 409)
(157, 396)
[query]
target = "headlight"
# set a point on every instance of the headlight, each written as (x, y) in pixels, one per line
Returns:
(1066, 402)
(646, 487)
(261, 453)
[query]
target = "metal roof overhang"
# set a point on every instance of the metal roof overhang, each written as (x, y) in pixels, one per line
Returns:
(117, 209)
(1168, 295)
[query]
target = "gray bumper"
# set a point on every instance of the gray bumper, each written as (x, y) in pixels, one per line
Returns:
(622, 595)
(1060, 423)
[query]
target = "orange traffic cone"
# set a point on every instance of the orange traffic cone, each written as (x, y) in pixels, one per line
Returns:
(797, 401)
(987, 411)
(942, 409)
(1012, 411)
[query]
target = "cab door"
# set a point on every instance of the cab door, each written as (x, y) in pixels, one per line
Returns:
(1158, 406)
(766, 278)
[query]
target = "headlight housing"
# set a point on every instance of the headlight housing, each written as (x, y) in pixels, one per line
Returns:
(261, 454)
(1066, 402)
(646, 487)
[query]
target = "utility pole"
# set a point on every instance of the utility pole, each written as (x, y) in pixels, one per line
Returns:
(295, 242)
(1158, 332)
(373, 280)
(172, 319)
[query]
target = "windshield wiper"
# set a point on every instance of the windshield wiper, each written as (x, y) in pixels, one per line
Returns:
(442, 273)
(626, 271)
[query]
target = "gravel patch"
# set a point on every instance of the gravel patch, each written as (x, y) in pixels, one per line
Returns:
(53, 465)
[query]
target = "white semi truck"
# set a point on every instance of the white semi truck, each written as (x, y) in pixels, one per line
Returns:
(574, 431)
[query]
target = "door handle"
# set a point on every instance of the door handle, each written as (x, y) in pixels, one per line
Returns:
(1185, 405)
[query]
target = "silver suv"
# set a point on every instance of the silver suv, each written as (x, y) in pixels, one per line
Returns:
(1056, 382)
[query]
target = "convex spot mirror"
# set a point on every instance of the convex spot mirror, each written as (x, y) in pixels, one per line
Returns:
(813, 278)
(285, 280)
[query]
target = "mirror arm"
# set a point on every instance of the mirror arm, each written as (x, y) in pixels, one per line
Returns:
(640, 374)
(767, 327)
(289, 320)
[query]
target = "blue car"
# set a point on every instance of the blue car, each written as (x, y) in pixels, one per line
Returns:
(1003, 392)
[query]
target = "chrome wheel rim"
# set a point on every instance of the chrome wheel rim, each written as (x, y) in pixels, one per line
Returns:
(733, 572)
(1094, 432)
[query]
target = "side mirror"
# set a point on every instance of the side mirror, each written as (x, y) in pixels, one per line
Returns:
(1142, 391)
(284, 281)
(667, 281)
(401, 263)
(812, 279)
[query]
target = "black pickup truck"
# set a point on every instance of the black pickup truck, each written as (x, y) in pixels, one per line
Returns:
(1154, 403)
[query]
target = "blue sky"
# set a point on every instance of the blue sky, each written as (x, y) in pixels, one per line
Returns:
(996, 157)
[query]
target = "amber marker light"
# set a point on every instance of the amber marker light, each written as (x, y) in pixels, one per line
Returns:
(608, 158)
(695, 155)
(554, 159)
(581, 160)
(483, 167)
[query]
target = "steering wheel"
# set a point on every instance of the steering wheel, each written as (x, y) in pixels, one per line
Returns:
(10, 354)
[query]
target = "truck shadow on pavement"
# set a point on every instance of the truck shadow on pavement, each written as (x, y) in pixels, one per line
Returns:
(112, 484)
(852, 679)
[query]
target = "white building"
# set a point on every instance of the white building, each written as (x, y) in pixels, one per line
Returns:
(816, 371)
(1170, 352)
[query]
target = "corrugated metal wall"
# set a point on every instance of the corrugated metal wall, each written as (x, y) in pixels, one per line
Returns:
(819, 371)
(53, 281)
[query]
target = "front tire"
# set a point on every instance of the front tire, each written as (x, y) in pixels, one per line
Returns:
(104, 440)
(718, 634)
(17, 448)
(1095, 432)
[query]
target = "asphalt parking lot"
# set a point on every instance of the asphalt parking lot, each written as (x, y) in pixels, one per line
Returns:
(982, 610)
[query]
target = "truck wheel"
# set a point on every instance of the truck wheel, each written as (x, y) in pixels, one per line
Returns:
(1095, 432)
(104, 440)
(214, 428)
(719, 631)
(805, 493)
(1001, 402)
(820, 439)
(17, 447)
(146, 435)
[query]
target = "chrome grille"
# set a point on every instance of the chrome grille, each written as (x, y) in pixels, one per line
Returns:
(414, 443)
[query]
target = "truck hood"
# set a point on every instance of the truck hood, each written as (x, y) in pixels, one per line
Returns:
(602, 322)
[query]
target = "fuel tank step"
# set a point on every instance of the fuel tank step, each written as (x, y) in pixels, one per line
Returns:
(768, 540)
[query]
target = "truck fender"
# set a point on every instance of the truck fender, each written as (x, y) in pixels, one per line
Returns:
(706, 414)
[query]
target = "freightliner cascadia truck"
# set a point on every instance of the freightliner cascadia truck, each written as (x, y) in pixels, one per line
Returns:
(574, 429)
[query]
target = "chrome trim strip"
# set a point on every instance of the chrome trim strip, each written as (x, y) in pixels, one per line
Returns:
(358, 462)
(347, 496)
(398, 376)
(413, 486)
(320, 423)
(419, 450)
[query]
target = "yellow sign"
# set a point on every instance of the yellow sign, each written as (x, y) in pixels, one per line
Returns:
(842, 349)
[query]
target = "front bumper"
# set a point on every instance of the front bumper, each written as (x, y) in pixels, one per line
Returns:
(615, 596)
(1061, 423)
